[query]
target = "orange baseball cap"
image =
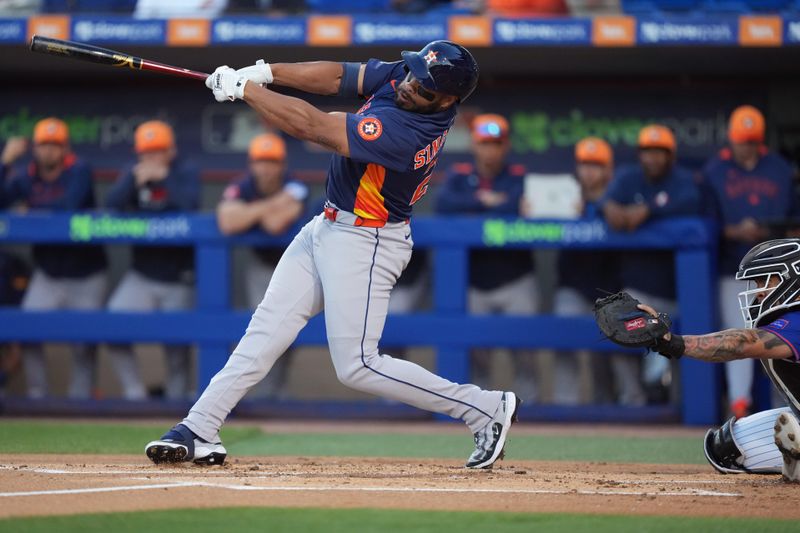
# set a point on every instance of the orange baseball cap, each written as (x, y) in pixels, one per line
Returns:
(593, 150)
(153, 135)
(489, 127)
(267, 147)
(657, 136)
(51, 130)
(746, 125)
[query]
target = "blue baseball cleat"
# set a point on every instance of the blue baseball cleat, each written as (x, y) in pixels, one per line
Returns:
(180, 444)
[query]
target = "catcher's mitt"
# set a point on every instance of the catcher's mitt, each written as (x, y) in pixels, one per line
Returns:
(619, 318)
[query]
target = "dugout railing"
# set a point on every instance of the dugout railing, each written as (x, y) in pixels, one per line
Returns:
(213, 326)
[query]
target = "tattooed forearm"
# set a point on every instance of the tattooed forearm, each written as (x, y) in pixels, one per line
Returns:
(721, 346)
(770, 341)
(734, 344)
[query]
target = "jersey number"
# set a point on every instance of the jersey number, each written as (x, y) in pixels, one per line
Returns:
(422, 188)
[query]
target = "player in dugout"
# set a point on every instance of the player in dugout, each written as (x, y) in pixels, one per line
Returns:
(655, 189)
(265, 198)
(348, 258)
(65, 276)
(161, 277)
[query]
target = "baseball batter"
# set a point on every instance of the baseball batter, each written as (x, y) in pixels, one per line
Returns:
(348, 258)
(766, 442)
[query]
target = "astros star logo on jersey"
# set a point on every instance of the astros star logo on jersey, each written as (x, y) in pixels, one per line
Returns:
(370, 128)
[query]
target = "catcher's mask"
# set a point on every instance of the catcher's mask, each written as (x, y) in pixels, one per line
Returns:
(772, 272)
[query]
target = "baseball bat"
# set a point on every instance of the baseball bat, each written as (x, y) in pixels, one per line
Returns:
(104, 56)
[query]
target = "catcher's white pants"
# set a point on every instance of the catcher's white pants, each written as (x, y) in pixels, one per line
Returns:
(754, 435)
(349, 271)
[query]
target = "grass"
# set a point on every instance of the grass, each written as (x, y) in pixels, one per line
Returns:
(277, 520)
(91, 438)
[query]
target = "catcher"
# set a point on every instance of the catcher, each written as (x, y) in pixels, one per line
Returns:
(766, 442)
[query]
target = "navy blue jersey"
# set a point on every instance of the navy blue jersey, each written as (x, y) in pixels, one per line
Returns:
(676, 194)
(246, 190)
(785, 373)
(764, 194)
(488, 269)
(71, 191)
(179, 191)
(392, 151)
(589, 271)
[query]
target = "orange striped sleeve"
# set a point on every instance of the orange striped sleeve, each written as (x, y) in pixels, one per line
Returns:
(369, 200)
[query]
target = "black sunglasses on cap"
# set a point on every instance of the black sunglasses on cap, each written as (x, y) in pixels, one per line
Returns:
(419, 89)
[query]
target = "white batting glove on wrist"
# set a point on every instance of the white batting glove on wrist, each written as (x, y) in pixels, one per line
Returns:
(226, 84)
(260, 73)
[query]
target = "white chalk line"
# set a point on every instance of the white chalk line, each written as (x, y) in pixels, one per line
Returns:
(96, 489)
(690, 492)
(583, 492)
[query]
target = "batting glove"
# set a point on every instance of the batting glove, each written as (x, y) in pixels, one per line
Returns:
(226, 84)
(260, 73)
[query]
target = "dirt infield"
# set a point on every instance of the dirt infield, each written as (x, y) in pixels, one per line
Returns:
(49, 484)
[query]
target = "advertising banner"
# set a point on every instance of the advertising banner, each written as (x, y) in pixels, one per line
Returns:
(115, 31)
(657, 31)
(398, 30)
(12, 30)
(241, 30)
(548, 32)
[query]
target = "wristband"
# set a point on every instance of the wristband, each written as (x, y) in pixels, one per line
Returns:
(266, 71)
(674, 348)
(348, 86)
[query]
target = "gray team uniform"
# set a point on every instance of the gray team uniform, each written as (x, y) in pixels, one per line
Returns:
(346, 260)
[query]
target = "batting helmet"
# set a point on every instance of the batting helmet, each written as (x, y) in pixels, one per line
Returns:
(445, 67)
(777, 264)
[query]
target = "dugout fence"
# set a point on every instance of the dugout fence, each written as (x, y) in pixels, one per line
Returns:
(212, 326)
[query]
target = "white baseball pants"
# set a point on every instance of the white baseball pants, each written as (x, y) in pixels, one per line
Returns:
(349, 271)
